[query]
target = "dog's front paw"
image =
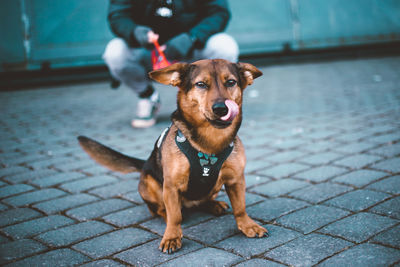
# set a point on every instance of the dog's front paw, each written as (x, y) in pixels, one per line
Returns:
(251, 229)
(171, 241)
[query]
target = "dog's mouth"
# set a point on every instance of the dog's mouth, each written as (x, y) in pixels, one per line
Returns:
(220, 124)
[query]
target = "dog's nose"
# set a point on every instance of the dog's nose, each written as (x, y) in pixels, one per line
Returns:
(220, 109)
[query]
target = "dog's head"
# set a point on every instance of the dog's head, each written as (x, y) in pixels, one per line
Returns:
(210, 91)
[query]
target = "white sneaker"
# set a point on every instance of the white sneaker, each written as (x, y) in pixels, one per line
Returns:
(147, 109)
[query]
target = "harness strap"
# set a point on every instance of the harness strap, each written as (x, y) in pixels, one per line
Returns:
(204, 168)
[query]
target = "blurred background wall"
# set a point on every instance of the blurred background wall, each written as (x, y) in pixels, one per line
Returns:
(51, 34)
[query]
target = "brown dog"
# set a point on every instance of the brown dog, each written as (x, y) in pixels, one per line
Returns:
(205, 124)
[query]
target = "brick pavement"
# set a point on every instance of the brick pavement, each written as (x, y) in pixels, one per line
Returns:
(323, 174)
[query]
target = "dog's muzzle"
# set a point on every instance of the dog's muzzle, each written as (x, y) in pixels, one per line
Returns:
(226, 112)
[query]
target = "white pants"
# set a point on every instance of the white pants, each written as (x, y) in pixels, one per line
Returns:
(131, 65)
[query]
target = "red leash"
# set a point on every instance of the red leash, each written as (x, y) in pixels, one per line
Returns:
(158, 57)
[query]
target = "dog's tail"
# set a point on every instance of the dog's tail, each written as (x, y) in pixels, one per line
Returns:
(110, 158)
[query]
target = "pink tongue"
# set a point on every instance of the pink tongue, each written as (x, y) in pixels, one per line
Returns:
(233, 110)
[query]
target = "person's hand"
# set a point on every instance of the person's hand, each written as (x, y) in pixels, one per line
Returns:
(142, 34)
(179, 47)
(152, 37)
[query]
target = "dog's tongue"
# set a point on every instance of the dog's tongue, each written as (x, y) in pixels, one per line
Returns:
(233, 110)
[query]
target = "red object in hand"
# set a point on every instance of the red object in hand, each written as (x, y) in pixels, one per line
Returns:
(158, 57)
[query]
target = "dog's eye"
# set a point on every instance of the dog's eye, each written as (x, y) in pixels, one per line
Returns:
(230, 83)
(201, 85)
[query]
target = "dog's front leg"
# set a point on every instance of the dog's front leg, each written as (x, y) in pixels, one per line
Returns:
(171, 240)
(236, 193)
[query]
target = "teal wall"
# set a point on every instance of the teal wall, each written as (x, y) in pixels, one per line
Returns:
(74, 32)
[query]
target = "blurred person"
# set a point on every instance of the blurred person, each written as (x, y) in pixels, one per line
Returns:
(188, 30)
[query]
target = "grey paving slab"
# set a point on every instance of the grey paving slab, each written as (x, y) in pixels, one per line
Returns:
(252, 180)
(74, 233)
(148, 254)
(360, 177)
(19, 249)
(359, 227)
(259, 262)
(321, 173)
(311, 218)
(279, 187)
(205, 257)
(214, 230)
(57, 178)
(98, 209)
(390, 237)
(357, 161)
(60, 257)
(307, 250)
(87, 183)
(274, 208)
(389, 185)
(319, 192)
(29, 175)
(283, 170)
(364, 255)
(129, 216)
(388, 150)
(34, 197)
(10, 190)
(116, 189)
(248, 247)
(13, 216)
(36, 226)
(389, 208)
(64, 203)
(357, 200)
(113, 242)
(103, 263)
(320, 158)
(390, 165)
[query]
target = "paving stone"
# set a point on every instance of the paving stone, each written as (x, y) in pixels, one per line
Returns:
(359, 227)
(103, 263)
(116, 189)
(389, 237)
(389, 208)
(312, 218)
(388, 150)
(149, 255)
(155, 225)
(307, 250)
(129, 216)
(98, 209)
(320, 174)
(353, 148)
(283, 170)
(10, 190)
(280, 157)
(64, 203)
(133, 197)
(364, 255)
(320, 158)
(385, 138)
(254, 165)
(205, 257)
(87, 183)
(390, 165)
(390, 185)
(248, 247)
(360, 177)
(319, 146)
(34, 197)
(12, 170)
(3, 207)
(73, 233)
(250, 199)
(3, 239)
(36, 226)
(13, 216)
(319, 192)
(29, 175)
(357, 200)
(57, 178)
(273, 208)
(279, 187)
(258, 263)
(252, 180)
(214, 230)
(113, 242)
(2, 184)
(60, 257)
(19, 249)
(357, 161)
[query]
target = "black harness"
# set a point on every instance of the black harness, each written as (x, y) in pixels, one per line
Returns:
(204, 168)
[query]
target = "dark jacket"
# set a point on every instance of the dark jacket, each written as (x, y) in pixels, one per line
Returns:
(199, 18)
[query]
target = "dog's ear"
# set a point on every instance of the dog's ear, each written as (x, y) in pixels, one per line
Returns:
(171, 75)
(248, 73)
